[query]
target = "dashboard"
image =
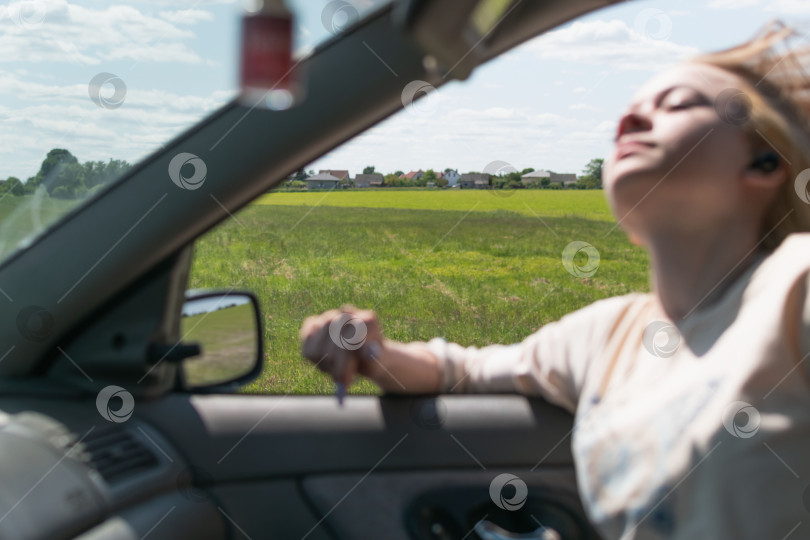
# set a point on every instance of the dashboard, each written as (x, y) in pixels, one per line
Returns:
(65, 472)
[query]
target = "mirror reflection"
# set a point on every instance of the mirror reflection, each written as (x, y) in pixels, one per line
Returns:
(225, 327)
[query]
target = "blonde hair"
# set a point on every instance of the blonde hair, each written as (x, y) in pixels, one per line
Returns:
(774, 110)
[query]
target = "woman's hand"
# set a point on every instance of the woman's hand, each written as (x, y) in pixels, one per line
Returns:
(348, 341)
(343, 343)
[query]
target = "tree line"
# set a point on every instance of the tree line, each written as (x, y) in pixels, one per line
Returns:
(64, 177)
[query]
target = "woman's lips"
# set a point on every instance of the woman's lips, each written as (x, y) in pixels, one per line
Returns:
(626, 148)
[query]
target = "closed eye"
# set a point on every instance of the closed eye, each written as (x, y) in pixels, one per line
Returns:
(680, 106)
(681, 98)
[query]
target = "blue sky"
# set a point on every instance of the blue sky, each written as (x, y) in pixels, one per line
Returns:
(550, 104)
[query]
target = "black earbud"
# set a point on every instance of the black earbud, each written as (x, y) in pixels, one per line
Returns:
(767, 162)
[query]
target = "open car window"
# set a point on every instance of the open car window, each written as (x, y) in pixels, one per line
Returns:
(82, 106)
(438, 257)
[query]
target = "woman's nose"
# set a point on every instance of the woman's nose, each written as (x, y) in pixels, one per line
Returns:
(632, 121)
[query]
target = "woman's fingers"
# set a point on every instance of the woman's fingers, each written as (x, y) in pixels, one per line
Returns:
(341, 342)
(314, 336)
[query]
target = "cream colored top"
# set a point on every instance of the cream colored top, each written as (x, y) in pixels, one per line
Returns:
(692, 429)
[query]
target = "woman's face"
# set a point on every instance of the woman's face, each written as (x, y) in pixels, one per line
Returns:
(677, 162)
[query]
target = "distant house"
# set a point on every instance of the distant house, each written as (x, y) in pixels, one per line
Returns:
(414, 175)
(341, 175)
(451, 176)
(368, 180)
(474, 181)
(534, 176)
(323, 181)
(563, 179)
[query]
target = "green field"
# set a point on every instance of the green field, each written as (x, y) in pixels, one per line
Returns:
(475, 267)
(586, 204)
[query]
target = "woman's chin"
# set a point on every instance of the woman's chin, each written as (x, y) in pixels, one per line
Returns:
(626, 191)
(632, 177)
(627, 168)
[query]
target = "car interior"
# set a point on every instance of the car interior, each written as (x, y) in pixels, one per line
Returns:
(98, 306)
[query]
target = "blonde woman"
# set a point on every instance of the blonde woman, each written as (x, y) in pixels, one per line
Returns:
(704, 432)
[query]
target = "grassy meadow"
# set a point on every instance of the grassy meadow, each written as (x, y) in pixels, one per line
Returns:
(476, 267)
(588, 204)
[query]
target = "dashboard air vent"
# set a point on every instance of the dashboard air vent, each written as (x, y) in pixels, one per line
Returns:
(115, 452)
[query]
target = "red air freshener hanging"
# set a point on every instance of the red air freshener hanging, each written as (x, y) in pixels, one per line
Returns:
(268, 77)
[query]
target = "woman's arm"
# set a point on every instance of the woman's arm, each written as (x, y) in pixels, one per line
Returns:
(550, 363)
(408, 368)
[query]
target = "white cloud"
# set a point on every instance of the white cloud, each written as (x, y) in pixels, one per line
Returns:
(59, 116)
(468, 138)
(789, 7)
(607, 126)
(784, 7)
(732, 4)
(497, 118)
(608, 43)
(59, 31)
(584, 107)
(186, 3)
(187, 16)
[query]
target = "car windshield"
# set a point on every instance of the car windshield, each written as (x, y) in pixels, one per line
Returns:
(87, 89)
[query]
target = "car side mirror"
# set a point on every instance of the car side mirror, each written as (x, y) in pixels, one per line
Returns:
(227, 327)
